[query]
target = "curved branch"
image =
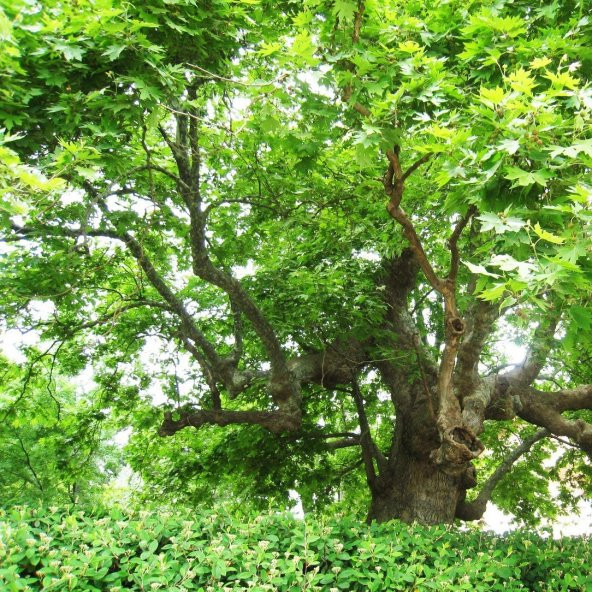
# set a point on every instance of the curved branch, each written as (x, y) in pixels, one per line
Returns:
(416, 165)
(43, 230)
(274, 421)
(28, 461)
(544, 409)
(475, 509)
(158, 283)
(181, 157)
(328, 368)
(453, 243)
(208, 374)
(458, 441)
(113, 315)
(358, 21)
(475, 392)
(480, 324)
(343, 443)
(537, 354)
(573, 399)
(283, 389)
(369, 449)
(399, 279)
(237, 329)
(411, 235)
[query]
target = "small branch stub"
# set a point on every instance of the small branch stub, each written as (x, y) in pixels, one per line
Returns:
(456, 326)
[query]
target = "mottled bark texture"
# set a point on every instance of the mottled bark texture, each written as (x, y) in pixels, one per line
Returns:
(417, 492)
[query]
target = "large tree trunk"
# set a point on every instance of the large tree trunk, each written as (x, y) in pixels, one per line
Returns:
(413, 488)
(416, 491)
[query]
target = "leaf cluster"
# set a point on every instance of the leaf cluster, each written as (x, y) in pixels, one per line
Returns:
(204, 551)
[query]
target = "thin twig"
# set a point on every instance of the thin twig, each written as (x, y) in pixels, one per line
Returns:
(237, 82)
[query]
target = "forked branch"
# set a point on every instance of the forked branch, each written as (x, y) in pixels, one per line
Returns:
(394, 185)
(459, 443)
(453, 243)
(283, 389)
(369, 449)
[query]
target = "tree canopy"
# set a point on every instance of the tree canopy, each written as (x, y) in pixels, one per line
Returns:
(328, 221)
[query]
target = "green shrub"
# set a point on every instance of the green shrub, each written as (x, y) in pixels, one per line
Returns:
(53, 549)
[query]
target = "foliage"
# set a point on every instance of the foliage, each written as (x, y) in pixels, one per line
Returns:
(194, 190)
(192, 469)
(53, 442)
(553, 479)
(45, 549)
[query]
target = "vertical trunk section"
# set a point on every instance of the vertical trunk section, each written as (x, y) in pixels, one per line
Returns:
(415, 491)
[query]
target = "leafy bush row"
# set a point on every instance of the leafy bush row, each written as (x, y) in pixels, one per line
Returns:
(54, 549)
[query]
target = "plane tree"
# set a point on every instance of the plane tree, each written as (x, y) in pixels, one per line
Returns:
(333, 219)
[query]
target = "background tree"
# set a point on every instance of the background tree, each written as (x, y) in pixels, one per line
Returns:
(52, 442)
(212, 177)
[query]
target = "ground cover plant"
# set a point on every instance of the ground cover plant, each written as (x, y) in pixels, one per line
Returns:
(207, 551)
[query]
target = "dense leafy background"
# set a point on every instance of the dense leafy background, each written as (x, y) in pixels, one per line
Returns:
(54, 446)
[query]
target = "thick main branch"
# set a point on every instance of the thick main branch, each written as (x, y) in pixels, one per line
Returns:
(274, 421)
(458, 441)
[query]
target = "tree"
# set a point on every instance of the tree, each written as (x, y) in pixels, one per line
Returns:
(53, 445)
(213, 176)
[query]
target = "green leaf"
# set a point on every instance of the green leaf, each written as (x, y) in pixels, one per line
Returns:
(71, 52)
(547, 236)
(479, 269)
(521, 81)
(492, 96)
(582, 317)
(345, 10)
(500, 224)
(526, 178)
(540, 63)
(510, 146)
(114, 51)
(494, 293)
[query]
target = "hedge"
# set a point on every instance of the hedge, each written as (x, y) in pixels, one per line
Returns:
(57, 549)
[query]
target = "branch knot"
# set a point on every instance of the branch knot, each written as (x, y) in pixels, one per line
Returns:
(456, 325)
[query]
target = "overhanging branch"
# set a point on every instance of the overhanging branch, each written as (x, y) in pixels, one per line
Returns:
(545, 409)
(274, 421)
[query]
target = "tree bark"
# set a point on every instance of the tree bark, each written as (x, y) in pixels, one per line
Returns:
(413, 488)
(416, 491)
